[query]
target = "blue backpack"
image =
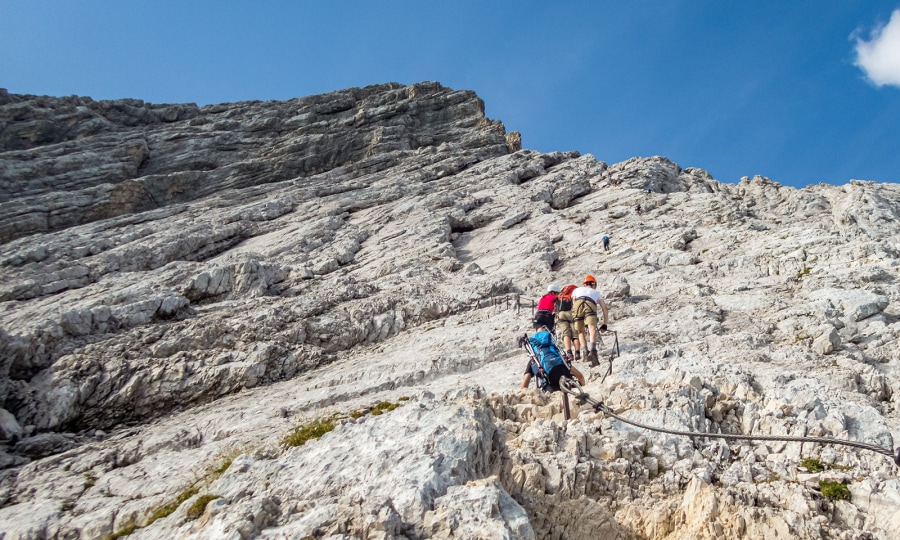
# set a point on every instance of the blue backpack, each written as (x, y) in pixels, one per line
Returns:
(547, 353)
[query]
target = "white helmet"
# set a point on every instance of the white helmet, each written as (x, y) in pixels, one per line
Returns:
(554, 288)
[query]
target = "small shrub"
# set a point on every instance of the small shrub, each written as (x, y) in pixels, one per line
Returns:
(383, 407)
(357, 414)
(812, 465)
(804, 272)
(89, 480)
(403, 398)
(836, 491)
(197, 508)
(304, 433)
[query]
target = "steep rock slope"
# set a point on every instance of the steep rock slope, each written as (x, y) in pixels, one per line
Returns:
(184, 285)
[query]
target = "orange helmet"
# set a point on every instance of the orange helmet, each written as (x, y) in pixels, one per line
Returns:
(589, 279)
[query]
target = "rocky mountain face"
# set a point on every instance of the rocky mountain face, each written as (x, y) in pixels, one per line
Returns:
(189, 293)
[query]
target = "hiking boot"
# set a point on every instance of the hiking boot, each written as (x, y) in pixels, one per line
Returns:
(577, 355)
(592, 359)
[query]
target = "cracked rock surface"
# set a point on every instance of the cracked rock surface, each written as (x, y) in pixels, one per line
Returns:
(184, 287)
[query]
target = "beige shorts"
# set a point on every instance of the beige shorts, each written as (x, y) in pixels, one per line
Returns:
(585, 314)
(564, 322)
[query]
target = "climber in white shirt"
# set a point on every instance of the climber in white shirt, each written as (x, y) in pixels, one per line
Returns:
(584, 308)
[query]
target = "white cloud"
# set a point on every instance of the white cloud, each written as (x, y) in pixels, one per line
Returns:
(880, 56)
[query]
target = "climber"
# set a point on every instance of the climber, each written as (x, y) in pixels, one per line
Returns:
(546, 362)
(584, 308)
(638, 209)
(545, 308)
(564, 323)
(606, 243)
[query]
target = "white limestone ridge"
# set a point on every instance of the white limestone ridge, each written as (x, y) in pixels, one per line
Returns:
(183, 286)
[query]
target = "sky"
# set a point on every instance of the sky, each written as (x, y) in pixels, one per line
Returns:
(798, 91)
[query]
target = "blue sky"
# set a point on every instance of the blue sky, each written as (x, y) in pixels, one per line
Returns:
(798, 91)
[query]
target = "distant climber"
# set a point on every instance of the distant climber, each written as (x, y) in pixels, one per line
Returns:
(545, 362)
(546, 307)
(606, 243)
(638, 209)
(587, 299)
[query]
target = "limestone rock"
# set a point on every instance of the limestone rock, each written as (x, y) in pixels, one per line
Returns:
(827, 341)
(184, 287)
(9, 427)
(618, 288)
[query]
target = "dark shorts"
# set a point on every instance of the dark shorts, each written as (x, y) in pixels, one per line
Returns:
(556, 374)
(544, 318)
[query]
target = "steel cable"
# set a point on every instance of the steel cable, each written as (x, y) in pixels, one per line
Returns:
(571, 387)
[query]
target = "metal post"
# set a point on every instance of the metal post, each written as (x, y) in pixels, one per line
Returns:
(565, 400)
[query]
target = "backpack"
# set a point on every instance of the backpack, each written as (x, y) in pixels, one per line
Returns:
(564, 299)
(545, 350)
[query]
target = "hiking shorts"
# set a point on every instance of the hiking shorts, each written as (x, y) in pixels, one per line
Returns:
(585, 314)
(564, 324)
(556, 374)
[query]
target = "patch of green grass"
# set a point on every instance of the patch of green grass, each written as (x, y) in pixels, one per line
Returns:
(89, 480)
(124, 531)
(836, 491)
(812, 465)
(403, 398)
(220, 469)
(805, 272)
(357, 414)
(307, 432)
(197, 508)
(383, 407)
(167, 509)
(193, 512)
(161, 512)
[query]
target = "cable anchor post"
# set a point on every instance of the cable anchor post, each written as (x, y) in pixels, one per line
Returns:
(897, 458)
